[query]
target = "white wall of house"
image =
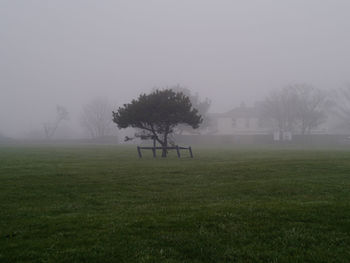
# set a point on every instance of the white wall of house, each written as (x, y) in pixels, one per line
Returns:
(224, 126)
(239, 126)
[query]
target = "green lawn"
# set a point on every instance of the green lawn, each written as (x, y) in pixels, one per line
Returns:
(103, 204)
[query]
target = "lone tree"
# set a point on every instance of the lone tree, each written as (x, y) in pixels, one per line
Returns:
(157, 114)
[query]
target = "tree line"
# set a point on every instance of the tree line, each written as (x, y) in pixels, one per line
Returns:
(296, 108)
(302, 108)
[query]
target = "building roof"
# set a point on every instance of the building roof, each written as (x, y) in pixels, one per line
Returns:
(240, 112)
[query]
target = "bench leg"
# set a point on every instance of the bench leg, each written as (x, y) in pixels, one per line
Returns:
(190, 150)
(178, 151)
(139, 152)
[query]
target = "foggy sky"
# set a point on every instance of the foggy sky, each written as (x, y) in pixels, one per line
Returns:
(68, 51)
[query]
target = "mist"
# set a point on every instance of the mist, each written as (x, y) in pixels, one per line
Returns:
(70, 52)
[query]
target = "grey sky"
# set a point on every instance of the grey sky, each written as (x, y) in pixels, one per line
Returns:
(68, 51)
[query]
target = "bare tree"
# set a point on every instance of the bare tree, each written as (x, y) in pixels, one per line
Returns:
(96, 118)
(296, 108)
(51, 127)
(310, 108)
(279, 108)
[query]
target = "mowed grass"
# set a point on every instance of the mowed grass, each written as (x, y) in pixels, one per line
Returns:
(103, 204)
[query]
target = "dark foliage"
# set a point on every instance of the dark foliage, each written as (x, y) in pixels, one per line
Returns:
(158, 113)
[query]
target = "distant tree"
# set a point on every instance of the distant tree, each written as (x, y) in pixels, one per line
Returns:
(202, 106)
(96, 117)
(280, 108)
(157, 114)
(310, 108)
(51, 127)
(342, 102)
(296, 107)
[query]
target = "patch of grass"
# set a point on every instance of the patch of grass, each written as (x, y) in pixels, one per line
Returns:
(103, 204)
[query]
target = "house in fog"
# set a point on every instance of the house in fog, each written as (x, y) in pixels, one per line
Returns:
(247, 120)
(242, 120)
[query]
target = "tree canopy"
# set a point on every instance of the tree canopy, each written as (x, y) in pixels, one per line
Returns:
(158, 113)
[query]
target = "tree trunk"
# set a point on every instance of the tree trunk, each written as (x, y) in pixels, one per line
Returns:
(164, 152)
(165, 144)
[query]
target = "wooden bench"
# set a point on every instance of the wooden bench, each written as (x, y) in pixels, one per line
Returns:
(155, 148)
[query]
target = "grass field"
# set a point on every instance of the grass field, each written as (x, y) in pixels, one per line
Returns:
(103, 204)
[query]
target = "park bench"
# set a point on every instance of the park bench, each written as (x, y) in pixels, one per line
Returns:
(155, 148)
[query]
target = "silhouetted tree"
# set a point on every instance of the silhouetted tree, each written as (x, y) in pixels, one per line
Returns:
(157, 114)
(96, 117)
(51, 127)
